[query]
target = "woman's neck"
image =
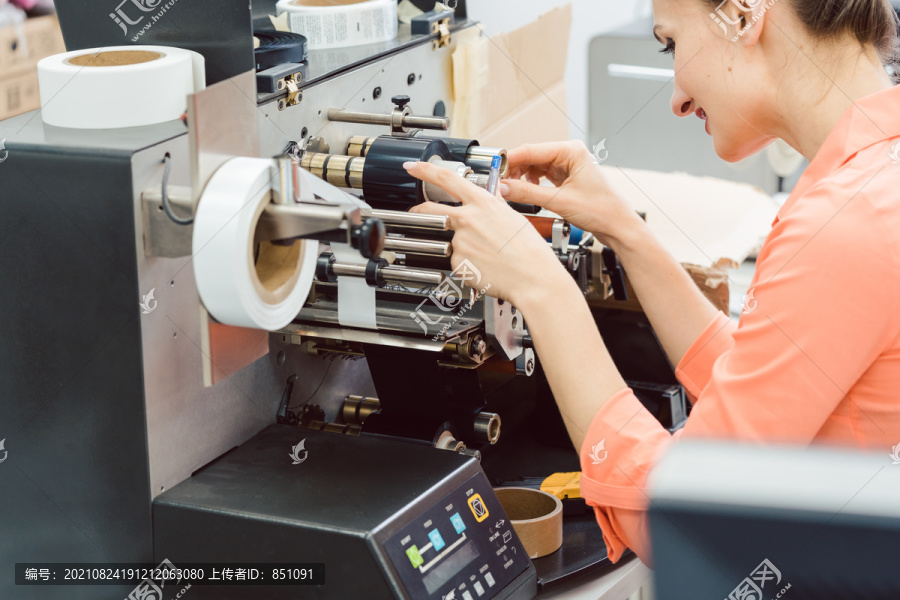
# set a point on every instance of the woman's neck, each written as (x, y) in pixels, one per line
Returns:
(829, 89)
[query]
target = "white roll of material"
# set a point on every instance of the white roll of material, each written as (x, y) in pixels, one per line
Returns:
(341, 23)
(238, 285)
(118, 86)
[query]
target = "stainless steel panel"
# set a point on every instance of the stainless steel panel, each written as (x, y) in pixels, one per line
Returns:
(188, 425)
(354, 90)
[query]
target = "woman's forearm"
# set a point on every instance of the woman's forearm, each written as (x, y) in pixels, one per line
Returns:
(675, 306)
(578, 366)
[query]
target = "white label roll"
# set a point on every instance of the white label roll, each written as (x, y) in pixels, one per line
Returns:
(241, 284)
(119, 86)
(341, 23)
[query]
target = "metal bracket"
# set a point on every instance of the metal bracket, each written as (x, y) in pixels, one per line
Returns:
(504, 326)
(162, 236)
(561, 233)
(294, 95)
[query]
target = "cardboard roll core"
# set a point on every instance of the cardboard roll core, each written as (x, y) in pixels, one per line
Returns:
(114, 58)
(536, 516)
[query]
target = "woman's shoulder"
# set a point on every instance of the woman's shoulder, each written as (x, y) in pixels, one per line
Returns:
(856, 203)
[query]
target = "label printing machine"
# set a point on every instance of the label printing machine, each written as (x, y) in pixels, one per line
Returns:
(172, 429)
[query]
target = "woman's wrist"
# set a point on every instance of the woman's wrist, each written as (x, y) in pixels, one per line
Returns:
(543, 289)
(630, 237)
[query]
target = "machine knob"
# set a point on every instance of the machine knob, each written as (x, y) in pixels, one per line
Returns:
(400, 101)
(369, 237)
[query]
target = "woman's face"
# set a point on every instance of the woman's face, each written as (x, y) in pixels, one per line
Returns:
(716, 79)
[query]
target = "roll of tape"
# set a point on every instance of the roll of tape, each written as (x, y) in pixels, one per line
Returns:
(277, 48)
(119, 86)
(341, 23)
(536, 516)
(241, 284)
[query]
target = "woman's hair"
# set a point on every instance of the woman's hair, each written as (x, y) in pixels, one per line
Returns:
(869, 21)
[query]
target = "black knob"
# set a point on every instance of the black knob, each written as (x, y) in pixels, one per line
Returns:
(400, 101)
(368, 238)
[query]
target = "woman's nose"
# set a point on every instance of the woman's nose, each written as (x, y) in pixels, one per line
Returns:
(682, 104)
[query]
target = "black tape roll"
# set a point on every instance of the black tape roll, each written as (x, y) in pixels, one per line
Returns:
(386, 184)
(277, 48)
(458, 146)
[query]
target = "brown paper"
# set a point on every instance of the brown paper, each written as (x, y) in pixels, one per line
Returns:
(505, 83)
(536, 516)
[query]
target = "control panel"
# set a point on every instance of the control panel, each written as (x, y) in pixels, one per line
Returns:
(462, 548)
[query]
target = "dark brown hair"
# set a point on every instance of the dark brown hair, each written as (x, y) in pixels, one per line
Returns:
(869, 21)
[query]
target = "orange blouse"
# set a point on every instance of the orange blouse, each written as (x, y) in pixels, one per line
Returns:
(816, 355)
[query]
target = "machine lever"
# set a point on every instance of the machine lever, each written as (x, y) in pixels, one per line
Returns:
(613, 268)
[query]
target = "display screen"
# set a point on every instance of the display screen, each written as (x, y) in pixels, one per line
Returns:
(450, 567)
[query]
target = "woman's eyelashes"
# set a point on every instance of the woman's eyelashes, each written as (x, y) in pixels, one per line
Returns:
(670, 47)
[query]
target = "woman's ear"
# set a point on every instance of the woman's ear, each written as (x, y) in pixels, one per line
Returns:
(737, 19)
(753, 21)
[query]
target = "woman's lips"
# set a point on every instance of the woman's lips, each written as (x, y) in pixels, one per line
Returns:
(702, 114)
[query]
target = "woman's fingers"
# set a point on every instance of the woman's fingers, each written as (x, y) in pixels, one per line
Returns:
(458, 187)
(432, 208)
(529, 193)
(537, 154)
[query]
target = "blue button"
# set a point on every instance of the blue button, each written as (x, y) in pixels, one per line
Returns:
(437, 542)
(458, 523)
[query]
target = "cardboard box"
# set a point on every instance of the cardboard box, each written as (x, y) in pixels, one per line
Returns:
(19, 93)
(21, 47)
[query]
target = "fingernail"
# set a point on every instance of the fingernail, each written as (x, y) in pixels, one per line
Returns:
(409, 165)
(504, 190)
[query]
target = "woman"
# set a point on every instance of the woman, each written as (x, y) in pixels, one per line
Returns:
(818, 360)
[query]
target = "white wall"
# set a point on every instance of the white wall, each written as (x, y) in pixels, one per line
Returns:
(589, 18)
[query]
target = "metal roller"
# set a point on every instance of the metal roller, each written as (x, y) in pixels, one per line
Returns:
(406, 219)
(414, 246)
(376, 272)
(487, 426)
(480, 158)
(356, 409)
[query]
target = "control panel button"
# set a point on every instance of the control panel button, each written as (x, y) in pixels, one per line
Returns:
(479, 589)
(437, 542)
(478, 508)
(458, 523)
(467, 595)
(414, 557)
(490, 579)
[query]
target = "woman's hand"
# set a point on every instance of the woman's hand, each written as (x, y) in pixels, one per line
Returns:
(581, 195)
(499, 242)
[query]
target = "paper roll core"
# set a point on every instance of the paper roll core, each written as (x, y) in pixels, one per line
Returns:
(114, 58)
(277, 269)
(536, 516)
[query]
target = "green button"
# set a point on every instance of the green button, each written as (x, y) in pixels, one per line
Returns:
(414, 557)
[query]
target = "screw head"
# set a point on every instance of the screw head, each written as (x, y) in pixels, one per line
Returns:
(401, 101)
